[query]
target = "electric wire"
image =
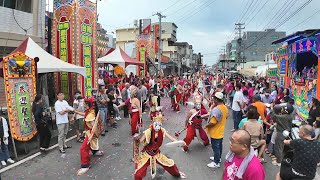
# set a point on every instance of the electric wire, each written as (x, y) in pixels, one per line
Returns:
(281, 23)
(305, 20)
(258, 12)
(253, 9)
(182, 8)
(172, 5)
(197, 11)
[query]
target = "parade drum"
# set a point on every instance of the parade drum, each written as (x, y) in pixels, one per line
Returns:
(179, 143)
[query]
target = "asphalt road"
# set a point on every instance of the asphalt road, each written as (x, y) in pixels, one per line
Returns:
(116, 163)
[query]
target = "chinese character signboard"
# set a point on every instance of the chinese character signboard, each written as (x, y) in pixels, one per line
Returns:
(304, 45)
(20, 86)
(63, 30)
(156, 32)
(74, 41)
(144, 50)
(86, 20)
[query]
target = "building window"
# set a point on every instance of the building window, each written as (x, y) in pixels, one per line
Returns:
(21, 5)
(254, 37)
(254, 45)
(275, 37)
(254, 53)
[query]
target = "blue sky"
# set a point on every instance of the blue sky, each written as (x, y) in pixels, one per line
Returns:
(208, 24)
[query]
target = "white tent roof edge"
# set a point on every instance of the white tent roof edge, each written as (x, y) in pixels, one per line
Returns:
(49, 63)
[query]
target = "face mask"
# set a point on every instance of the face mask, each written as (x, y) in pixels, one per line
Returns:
(77, 95)
(157, 126)
(94, 94)
(198, 106)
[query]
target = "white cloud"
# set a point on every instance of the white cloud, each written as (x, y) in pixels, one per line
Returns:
(208, 29)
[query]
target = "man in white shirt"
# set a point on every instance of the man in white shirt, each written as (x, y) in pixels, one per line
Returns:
(101, 80)
(151, 82)
(237, 106)
(62, 109)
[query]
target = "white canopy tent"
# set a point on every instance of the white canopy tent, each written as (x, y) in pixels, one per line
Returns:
(47, 62)
(119, 57)
(262, 70)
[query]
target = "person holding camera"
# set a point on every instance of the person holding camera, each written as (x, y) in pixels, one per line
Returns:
(305, 158)
(283, 122)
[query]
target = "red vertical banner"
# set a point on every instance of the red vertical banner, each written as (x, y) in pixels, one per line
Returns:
(86, 44)
(62, 42)
(156, 29)
(146, 27)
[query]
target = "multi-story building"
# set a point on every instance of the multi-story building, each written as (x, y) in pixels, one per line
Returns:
(20, 19)
(126, 37)
(257, 44)
(105, 41)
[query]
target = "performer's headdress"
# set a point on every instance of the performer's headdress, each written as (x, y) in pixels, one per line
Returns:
(197, 102)
(91, 104)
(90, 101)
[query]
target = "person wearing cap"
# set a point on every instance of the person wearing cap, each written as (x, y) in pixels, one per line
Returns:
(283, 122)
(215, 128)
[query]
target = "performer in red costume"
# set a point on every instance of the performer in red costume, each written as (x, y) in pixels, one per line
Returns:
(177, 97)
(187, 93)
(194, 124)
(93, 125)
(134, 109)
(150, 156)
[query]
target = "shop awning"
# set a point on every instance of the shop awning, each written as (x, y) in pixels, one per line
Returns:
(119, 57)
(47, 62)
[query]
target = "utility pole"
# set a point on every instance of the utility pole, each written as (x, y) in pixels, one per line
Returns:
(224, 59)
(160, 48)
(239, 41)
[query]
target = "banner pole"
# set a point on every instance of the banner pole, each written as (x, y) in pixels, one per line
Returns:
(14, 148)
